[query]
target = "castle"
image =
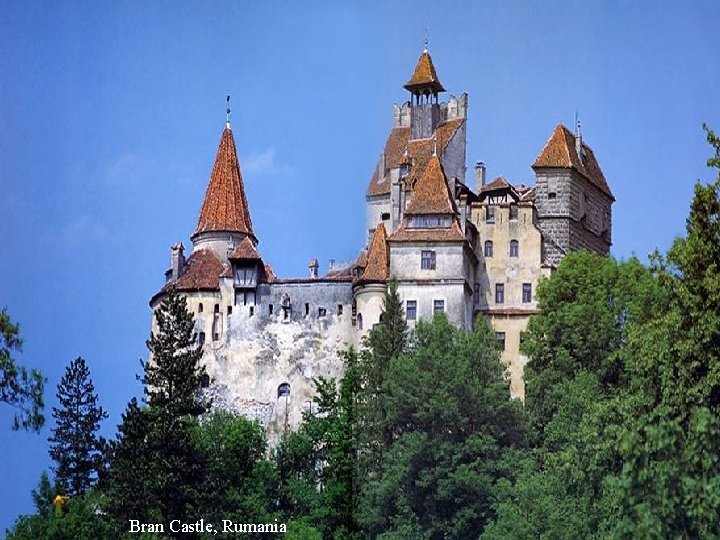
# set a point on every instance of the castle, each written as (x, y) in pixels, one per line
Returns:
(466, 250)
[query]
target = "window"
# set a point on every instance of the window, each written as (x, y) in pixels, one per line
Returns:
(202, 338)
(229, 309)
(500, 337)
(438, 306)
(284, 390)
(217, 308)
(359, 321)
(307, 309)
(513, 212)
(270, 309)
(216, 336)
(490, 214)
(252, 310)
(340, 309)
(200, 307)
(476, 293)
(322, 312)
(385, 216)
(527, 292)
(205, 380)
(427, 260)
(552, 195)
(429, 221)
(411, 310)
(499, 293)
(514, 248)
(488, 248)
(245, 277)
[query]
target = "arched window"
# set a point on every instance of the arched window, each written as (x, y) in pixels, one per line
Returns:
(514, 248)
(488, 248)
(284, 390)
(204, 380)
(359, 321)
(200, 307)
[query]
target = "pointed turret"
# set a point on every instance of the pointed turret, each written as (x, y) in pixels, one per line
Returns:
(424, 79)
(225, 208)
(377, 268)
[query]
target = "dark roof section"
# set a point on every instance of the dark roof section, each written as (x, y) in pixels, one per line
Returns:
(225, 207)
(451, 234)
(560, 152)
(419, 153)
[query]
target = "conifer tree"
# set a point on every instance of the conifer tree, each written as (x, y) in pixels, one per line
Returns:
(74, 445)
(173, 374)
(385, 341)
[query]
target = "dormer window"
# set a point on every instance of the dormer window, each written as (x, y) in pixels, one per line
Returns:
(429, 221)
(245, 276)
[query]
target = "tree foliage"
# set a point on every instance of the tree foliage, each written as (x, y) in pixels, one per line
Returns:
(74, 444)
(19, 388)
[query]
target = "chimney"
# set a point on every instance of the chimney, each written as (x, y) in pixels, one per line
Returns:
(313, 265)
(479, 176)
(177, 260)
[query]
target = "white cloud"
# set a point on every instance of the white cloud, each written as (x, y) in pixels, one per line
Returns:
(263, 163)
(80, 231)
(126, 169)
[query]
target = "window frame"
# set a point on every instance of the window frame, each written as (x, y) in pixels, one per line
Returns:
(411, 310)
(438, 302)
(427, 259)
(499, 293)
(488, 248)
(514, 248)
(526, 293)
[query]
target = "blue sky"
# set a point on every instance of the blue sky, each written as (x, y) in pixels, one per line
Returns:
(111, 113)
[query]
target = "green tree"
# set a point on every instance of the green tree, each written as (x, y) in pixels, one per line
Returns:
(324, 454)
(669, 482)
(74, 444)
(72, 519)
(456, 434)
(19, 388)
(384, 342)
(239, 482)
(155, 439)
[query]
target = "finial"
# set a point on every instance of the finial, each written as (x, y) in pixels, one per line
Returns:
(434, 144)
(427, 40)
(227, 112)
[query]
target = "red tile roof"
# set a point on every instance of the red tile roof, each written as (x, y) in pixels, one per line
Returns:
(431, 194)
(225, 207)
(202, 270)
(419, 152)
(378, 258)
(269, 274)
(245, 250)
(424, 75)
(560, 152)
(451, 234)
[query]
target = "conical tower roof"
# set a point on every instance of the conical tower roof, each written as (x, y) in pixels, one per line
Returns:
(424, 76)
(225, 208)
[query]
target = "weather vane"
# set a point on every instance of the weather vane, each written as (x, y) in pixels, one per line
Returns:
(227, 112)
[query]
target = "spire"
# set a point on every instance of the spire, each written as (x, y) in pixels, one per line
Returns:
(377, 267)
(225, 208)
(424, 76)
(227, 113)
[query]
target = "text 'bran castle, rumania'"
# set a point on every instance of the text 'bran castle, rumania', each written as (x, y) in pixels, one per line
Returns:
(463, 250)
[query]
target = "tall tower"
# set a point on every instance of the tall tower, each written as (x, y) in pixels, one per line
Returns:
(224, 217)
(424, 87)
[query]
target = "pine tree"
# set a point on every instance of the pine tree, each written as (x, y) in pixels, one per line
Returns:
(385, 341)
(74, 445)
(155, 472)
(173, 374)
